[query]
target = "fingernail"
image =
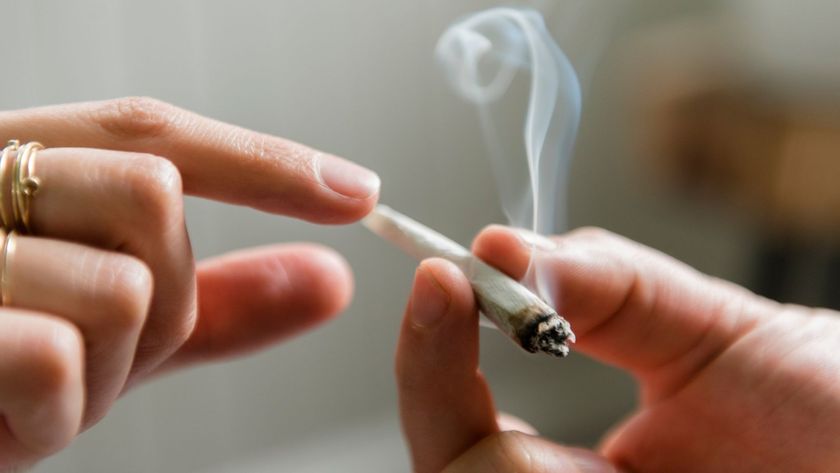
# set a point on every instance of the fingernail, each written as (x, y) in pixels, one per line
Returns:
(430, 300)
(535, 240)
(347, 178)
(511, 422)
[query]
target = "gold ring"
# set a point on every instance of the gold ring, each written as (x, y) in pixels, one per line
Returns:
(24, 185)
(11, 147)
(7, 252)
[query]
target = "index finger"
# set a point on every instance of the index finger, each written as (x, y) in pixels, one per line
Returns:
(216, 160)
(629, 305)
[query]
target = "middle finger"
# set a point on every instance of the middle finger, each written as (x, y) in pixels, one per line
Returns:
(105, 294)
(131, 203)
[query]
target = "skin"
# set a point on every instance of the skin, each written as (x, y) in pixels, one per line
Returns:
(729, 381)
(106, 293)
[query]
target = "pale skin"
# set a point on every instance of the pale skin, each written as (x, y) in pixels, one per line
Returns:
(730, 382)
(105, 293)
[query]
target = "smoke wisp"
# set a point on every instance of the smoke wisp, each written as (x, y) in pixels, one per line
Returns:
(483, 55)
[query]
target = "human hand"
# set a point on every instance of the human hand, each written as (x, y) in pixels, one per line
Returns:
(729, 381)
(105, 293)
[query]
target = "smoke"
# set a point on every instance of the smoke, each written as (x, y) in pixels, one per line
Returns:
(484, 57)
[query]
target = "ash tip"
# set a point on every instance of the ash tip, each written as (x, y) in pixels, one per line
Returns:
(553, 334)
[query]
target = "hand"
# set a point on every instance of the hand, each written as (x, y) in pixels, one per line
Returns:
(730, 381)
(105, 292)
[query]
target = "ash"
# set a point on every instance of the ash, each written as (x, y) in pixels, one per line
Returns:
(549, 334)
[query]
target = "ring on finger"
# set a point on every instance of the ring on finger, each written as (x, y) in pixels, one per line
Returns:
(24, 184)
(7, 251)
(9, 154)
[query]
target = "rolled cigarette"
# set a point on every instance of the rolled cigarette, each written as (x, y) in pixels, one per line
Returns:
(516, 311)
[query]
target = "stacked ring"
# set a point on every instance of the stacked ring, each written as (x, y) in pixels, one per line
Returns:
(18, 186)
(24, 185)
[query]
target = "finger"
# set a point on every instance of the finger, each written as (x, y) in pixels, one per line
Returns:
(217, 160)
(41, 389)
(509, 422)
(445, 403)
(105, 294)
(130, 203)
(515, 451)
(629, 305)
(249, 299)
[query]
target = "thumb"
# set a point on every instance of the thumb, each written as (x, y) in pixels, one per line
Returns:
(445, 403)
(629, 305)
(515, 451)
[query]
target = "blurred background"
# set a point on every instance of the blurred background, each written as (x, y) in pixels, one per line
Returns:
(711, 131)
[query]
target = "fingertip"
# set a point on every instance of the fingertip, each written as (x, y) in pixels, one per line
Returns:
(346, 178)
(440, 333)
(430, 299)
(445, 403)
(250, 298)
(330, 280)
(338, 210)
(491, 235)
(441, 320)
(502, 248)
(43, 372)
(310, 278)
(508, 422)
(447, 278)
(331, 210)
(348, 191)
(322, 189)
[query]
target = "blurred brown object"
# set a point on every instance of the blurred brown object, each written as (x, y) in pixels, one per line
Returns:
(807, 184)
(713, 127)
(721, 116)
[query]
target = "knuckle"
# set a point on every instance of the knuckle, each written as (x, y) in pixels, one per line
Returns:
(622, 251)
(184, 330)
(255, 148)
(596, 236)
(51, 376)
(56, 363)
(129, 284)
(136, 117)
(156, 190)
(159, 342)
